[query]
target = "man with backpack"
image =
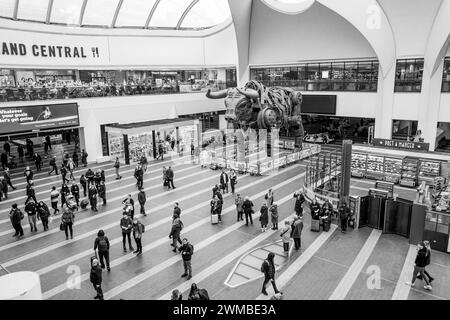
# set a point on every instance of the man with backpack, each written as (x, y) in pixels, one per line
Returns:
(102, 246)
(126, 224)
(187, 250)
(16, 216)
(138, 230)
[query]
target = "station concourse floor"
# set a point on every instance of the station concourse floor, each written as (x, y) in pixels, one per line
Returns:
(330, 265)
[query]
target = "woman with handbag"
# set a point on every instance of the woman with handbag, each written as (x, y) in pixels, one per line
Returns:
(67, 221)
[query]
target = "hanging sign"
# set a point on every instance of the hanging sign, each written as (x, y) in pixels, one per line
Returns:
(400, 144)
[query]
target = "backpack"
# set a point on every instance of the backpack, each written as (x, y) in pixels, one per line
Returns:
(102, 244)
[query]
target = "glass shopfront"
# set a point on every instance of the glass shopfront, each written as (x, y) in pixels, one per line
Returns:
(408, 75)
(446, 76)
(323, 76)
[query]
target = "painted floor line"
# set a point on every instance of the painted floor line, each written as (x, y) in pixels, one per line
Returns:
(164, 240)
(401, 291)
(346, 283)
(27, 226)
(300, 262)
(103, 214)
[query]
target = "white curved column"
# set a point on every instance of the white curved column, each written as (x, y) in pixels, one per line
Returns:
(24, 285)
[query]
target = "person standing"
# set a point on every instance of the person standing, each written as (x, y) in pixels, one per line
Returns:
(170, 176)
(248, 210)
(139, 175)
(54, 196)
(64, 174)
(7, 148)
(89, 177)
(138, 230)
(31, 194)
(129, 206)
(102, 192)
(75, 190)
(233, 180)
(43, 214)
(216, 208)
(187, 250)
(296, 233)
(7, 177)
(4, 187)
(224, 181)
(314, 209)
(274, 215)
(343, 216)
(16, 216)
(84, 156)
(142, 198)
(176, 209)
(68, 220)
(31, 210)
(419, 267)
(53, 165)
(269, 197)
(49, 142)
(83, 183)
(4, 160)
(20, 152)
(264, 217)
(285, 235)
(299, 200)
(164, 175)
(71, 167)
(37, 161)
(96, 278)
(93, 198)
(268, 268)
(75, 158)
(101, 244)
(28, 173)
(117, 167)
(144, 162)
(239, 202)
(175, 231)
(160, 152)
(126, 224)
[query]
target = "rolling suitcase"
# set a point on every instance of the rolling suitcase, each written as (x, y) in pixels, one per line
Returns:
(214, 219)
(315, 225)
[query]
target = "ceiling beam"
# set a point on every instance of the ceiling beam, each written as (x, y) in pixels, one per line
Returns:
(116, 14)
(83, 9)
(149, 18)
(49, 11)
(193, 3)
(16, 10)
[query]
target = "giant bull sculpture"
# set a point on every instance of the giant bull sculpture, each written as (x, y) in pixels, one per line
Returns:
(260, 107)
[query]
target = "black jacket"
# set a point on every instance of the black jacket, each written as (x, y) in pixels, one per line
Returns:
(247, 206)
(421, 258)
(187, 250)
(142, 198)
(96, 275)
(269, 269)
(74, 189)
(31, 208)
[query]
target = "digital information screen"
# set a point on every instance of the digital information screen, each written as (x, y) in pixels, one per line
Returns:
(38, 117)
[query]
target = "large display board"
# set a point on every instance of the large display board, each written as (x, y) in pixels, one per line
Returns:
(38, 117)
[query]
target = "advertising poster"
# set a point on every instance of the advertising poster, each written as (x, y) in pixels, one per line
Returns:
(40, 117)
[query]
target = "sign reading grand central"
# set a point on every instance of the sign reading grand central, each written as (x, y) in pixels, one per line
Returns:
(51, 51)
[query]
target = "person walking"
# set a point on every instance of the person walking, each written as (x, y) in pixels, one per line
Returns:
(16, 216)
(49, 142)
(53, 165)
(75, 158)
(248, 210)
(43, 214)
(31, 194)
(83, 183)
(138, 230)
(101, 245)
(274, 215)
(96, 278)
(63, 171)
(285, 235)
(4, 187)
(426, 244)
(296, 233)
(187, 250)
(28, 173)
(7, 148)
(128, 202)
(175, 232)
(233, 180)
(144, 162)
(419, 267)
(139, 176)
(224, 181)
(7, 177)
(239, 202)
(160, 152)
(216, 208)
(269, 197)
(4, 160)
(37, 161)
(75, 190)
(264, 217)
(89, 177)
(54, 196)
(343, 216)
(71, 167)
(84, 156)
(117, 167)
(126, 224)
(170, 176)
(93, 198)
(142, 198)
(268, 268)
(64, 192)
(20, 152)
(299, 200)
(176, 209)
(68, 219)
(102, 192)
(164, 175)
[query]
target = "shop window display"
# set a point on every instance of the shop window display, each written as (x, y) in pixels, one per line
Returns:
(408, 75)
(116, 146)
(446, 76)
(140, 145)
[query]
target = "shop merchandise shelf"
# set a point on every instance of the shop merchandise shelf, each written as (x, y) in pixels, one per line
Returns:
(410, 171)
(392, 169)
(375, 167)
(359, 162)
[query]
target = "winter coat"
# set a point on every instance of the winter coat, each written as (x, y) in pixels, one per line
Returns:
(264, 218)
(176, 228)
(248, 206)
(126, 224)
(297, 227)
(138, 230)
(421, 258)
(30, 191)
(75, 189)
(15, 215)
(102, 191)
(54, 195)
(285, 234)
(96, 275)
(274, 213)
(224, 179)
(239, 204)
(43, 211)
(269, 269)
(187, 250)
(299, 204)
(142, 198)
(269, 198)
(31, 209)
(68, 217)
(169, 174)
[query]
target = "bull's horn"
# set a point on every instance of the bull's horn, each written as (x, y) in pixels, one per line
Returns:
(217, 95)
(249, 93)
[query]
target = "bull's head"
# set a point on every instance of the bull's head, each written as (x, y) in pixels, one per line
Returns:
(239, 103)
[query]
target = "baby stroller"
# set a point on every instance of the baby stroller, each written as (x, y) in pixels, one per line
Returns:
(71, 203)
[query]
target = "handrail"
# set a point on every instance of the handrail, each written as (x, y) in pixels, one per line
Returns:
(6, 270)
